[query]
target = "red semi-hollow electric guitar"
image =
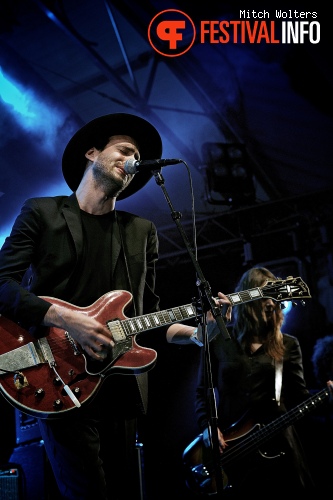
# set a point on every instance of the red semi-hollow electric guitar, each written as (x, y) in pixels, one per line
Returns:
(50, 376)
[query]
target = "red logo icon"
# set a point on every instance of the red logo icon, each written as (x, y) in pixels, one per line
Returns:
(171, 33)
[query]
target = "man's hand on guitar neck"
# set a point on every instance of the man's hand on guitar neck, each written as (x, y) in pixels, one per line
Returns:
(224, 303)
(94, 337)
(181, 334)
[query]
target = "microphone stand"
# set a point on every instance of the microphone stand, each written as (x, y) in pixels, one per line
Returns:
(207, 303)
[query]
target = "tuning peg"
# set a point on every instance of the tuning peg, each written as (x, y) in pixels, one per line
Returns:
(294, 304)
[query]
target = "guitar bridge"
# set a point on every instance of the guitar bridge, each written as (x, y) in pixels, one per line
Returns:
(31, 354)
(75, 348)
(46, 351)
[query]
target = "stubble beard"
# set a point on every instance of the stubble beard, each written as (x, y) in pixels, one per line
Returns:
(107, 181)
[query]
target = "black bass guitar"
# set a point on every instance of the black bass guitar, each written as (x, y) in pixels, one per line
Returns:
(245, 437)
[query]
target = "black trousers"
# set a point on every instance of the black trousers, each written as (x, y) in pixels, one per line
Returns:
(93, 458)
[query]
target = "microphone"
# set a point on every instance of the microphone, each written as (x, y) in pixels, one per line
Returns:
(133, 166)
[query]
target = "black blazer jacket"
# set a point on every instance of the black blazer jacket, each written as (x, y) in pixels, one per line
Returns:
(41, 253)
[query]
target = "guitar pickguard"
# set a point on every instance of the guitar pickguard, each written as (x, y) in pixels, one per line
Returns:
(94, 367)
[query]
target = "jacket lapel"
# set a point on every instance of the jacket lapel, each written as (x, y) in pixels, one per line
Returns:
(115, 243)
(71, 212)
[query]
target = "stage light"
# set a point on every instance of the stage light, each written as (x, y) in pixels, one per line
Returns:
(286, 306)
(228, 178)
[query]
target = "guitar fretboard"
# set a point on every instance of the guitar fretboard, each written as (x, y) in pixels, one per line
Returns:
(291, 288)
(245, 296)
(139, 324)
(132, 326)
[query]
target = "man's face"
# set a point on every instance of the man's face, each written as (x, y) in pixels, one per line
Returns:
(108, 164)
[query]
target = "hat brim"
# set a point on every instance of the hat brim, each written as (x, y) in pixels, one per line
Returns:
(144, 133)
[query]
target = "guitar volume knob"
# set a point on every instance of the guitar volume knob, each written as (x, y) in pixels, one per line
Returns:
(57, 381)
(58, 404)
(39, 393)
(77, 391)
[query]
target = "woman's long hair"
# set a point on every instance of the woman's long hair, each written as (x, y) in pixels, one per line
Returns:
(249, 318)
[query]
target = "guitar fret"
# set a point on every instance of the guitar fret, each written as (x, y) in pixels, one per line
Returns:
(136, 324)
(145, 319)
(234, 298)
(254, 293)
(162, 318)
(151, 320)
(140, 325)
(148, 321)
(248, 295)
(188, 311)
(155, 318)
(176, 313)
(245, 296)
(130, 323)
(171, 315)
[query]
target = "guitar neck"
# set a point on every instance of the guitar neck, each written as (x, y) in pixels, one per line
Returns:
(279, 290)
(246, 296)
(254, 440)
(294, 415)
(133, 326)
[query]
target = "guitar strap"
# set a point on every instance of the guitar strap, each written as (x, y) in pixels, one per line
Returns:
(142, 378)
(278, 380)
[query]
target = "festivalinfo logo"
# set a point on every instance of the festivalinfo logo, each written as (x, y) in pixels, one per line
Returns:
(172, 32)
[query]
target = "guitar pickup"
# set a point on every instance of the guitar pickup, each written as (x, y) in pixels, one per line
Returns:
(117, 331)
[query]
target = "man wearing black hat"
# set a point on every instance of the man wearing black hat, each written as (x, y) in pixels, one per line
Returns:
(76, 249)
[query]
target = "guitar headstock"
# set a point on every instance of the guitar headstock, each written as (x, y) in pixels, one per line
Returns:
(288, 289)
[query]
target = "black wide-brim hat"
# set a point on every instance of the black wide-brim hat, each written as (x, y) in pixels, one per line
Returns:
(96, 131)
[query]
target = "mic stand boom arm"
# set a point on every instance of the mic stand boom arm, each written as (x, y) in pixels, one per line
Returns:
(202, 284)
(208, 302)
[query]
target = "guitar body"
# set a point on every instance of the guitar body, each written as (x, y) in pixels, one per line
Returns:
(200, 468)
(37, 389)
(40, 394)
(127, 357)
(250, 444)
